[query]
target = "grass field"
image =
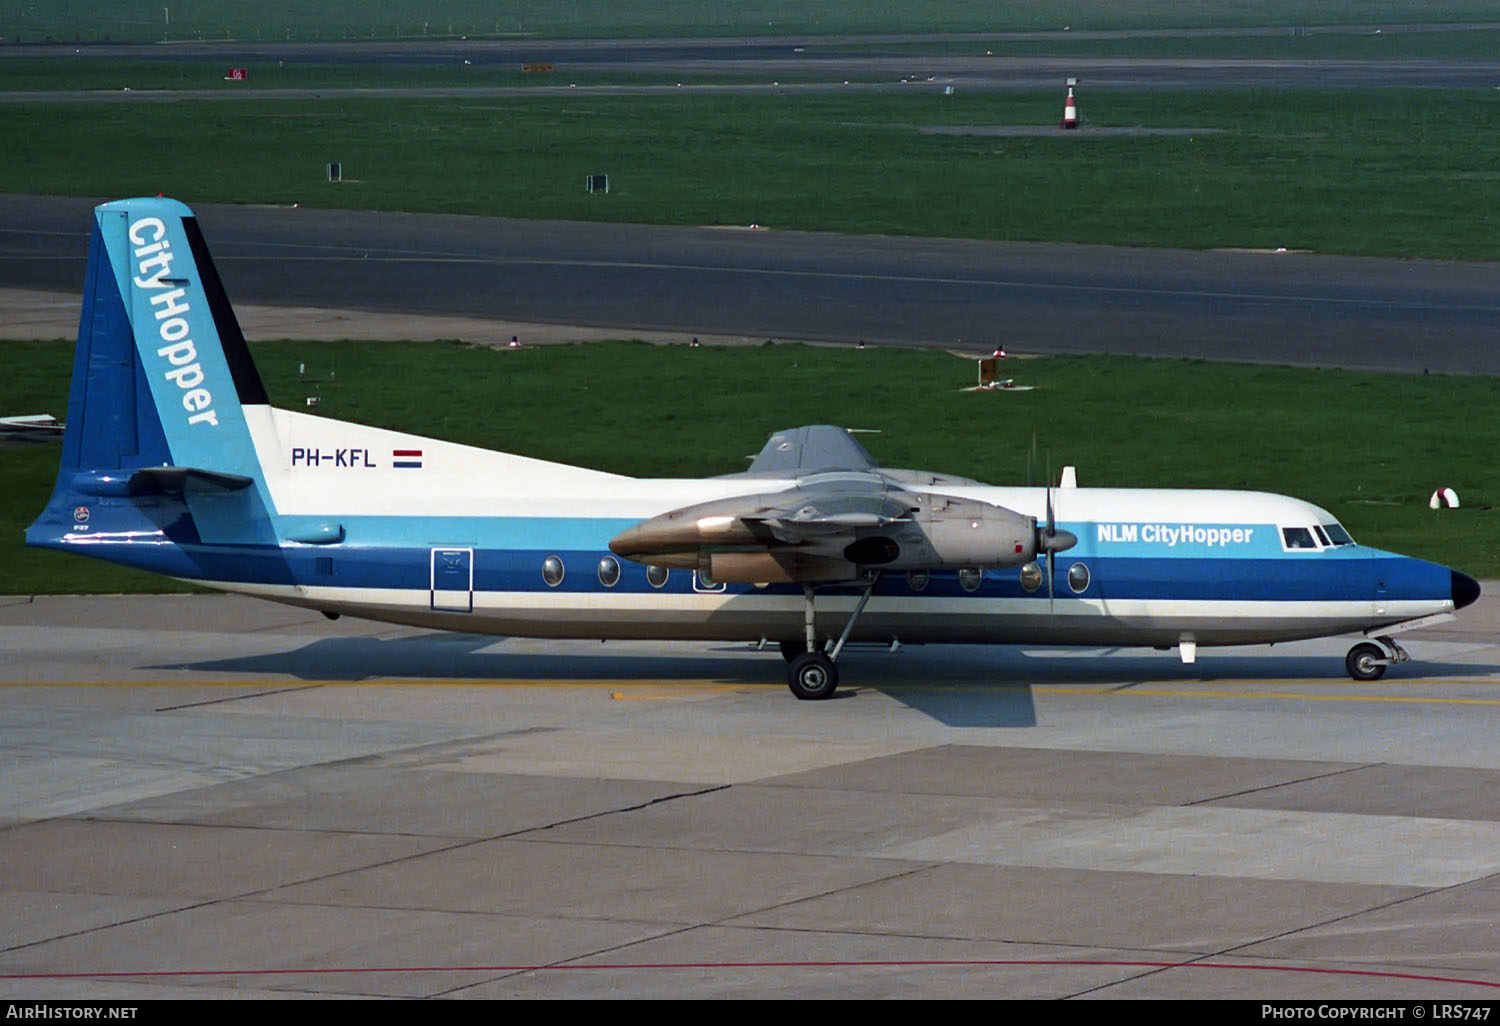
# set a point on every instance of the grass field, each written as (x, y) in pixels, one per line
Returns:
(1389, 172)
(35, 20)
(1368, 447)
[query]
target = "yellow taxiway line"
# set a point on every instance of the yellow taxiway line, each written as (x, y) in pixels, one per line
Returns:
(662, 689)
(275, 686)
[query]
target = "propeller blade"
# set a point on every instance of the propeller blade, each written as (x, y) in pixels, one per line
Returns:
(1051, 537)
(1052, 541)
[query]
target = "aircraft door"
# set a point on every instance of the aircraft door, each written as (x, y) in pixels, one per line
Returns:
(453, 580)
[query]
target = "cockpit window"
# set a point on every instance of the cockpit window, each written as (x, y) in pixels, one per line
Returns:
(1298, 538)
(1338, 535)
(1321, 536)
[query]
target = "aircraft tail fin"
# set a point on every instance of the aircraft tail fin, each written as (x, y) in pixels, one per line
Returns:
(162, 368)
(161, 379)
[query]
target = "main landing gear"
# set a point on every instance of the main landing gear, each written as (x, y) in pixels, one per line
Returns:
(813, 675)
(1367, 661)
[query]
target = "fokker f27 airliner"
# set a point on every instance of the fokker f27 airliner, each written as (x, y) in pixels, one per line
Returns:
(174, 461)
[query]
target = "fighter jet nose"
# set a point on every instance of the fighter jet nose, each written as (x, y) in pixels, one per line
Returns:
(1465, 590)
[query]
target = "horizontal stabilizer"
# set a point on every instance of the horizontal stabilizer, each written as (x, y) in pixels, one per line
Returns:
(177, 480)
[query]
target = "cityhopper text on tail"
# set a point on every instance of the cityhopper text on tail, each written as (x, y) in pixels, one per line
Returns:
(174, 461)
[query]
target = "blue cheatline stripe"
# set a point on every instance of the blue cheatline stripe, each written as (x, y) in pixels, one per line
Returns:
(506, 532)
(519, 570)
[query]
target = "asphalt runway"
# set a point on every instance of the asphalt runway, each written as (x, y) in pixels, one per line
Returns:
(206, 796)
(1288, 308)
(792, 63)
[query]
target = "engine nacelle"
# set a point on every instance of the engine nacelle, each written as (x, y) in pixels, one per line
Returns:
(949, 533)
(835, 533)
(984, 537)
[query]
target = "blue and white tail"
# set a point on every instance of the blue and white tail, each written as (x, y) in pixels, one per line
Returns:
(162, 368)
(174, 461)
(161, 378)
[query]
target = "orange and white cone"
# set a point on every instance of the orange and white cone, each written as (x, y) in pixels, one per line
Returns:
(1070, 111)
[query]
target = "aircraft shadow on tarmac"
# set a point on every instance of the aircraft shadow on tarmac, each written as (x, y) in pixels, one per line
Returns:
(960, 686)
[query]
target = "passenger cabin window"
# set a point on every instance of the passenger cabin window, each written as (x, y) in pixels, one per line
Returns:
(552, 571)
(1298, 538)
(1078, 578)
(1031, 576)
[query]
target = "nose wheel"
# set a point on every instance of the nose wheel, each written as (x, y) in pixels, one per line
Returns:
(1367, 661)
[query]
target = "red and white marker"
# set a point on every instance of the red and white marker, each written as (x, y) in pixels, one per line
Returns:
(1070, 109)
(1443, 497)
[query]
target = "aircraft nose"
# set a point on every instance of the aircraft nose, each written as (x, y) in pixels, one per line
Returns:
(1465, 590)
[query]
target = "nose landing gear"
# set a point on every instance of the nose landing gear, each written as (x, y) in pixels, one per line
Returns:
(1367, 660)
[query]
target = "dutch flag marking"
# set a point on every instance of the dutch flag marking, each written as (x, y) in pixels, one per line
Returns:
(407, 458)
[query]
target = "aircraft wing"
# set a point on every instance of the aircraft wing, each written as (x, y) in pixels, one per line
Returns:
(831, 525)
(798, 534)
(39, 427)
(823, 448)
(820, 510)
(816, 448)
